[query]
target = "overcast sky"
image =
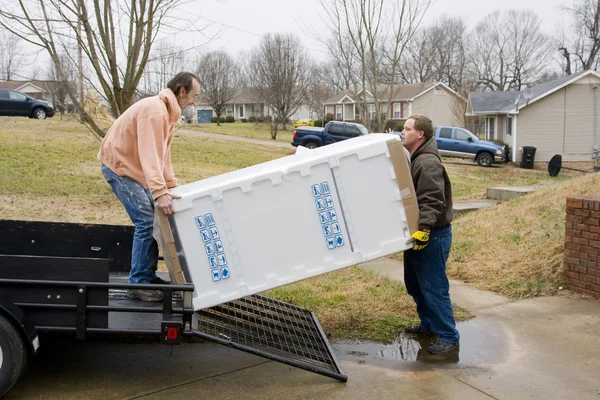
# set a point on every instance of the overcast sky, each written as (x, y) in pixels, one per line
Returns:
(240, 23)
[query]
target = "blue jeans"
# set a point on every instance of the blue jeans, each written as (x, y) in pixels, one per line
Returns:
(139, 205)
(426, 281)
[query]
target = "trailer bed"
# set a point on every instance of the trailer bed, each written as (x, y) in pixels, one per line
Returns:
(74, 278)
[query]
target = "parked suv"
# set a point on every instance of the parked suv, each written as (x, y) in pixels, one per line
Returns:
(17, 104)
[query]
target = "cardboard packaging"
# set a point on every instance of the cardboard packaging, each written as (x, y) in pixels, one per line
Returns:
(293, 218)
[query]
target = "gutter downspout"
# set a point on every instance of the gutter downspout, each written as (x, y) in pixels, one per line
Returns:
(595, 154)
(514, 149)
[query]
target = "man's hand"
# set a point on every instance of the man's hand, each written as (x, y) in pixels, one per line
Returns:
(165, 202)
(420, 239)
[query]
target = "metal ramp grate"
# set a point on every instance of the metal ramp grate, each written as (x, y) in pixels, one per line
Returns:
(272, 329)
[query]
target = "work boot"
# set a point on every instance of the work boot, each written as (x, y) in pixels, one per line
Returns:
(145, 295)
(417, 330)
(160, 281)
(442, 348)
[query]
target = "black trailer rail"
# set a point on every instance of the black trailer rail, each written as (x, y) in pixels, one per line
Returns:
(74, 300)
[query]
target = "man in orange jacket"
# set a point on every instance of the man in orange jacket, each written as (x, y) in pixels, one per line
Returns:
(136, 162)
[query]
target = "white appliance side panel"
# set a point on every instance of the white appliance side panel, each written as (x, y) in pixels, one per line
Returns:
(373, 205)
(284, 231)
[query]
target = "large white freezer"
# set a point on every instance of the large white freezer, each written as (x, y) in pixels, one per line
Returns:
(293, 218)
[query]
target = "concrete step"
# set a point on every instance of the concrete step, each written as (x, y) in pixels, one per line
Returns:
(463, 206)
(506, 193)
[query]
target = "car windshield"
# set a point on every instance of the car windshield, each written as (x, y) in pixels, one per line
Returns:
(362, 129)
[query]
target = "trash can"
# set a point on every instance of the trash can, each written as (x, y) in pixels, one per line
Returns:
(528, 157)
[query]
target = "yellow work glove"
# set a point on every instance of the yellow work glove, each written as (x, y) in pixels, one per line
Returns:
(420, 239)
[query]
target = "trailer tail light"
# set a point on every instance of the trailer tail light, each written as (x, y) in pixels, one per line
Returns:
(171, 332)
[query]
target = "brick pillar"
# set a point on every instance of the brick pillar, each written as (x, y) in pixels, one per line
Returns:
(581, 267)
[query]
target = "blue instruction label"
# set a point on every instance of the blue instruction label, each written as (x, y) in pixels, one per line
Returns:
(225, 273)
(328, 216)
(215, 252)
(316, 189)
(200, 222)
(205, 235)
(216, 276)
(324, 217)
(332, 215)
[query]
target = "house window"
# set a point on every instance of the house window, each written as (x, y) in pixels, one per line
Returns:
(229, 110)
(509, 123)
(241, 110)
(338, 113)
(371, 111)
(397, 110)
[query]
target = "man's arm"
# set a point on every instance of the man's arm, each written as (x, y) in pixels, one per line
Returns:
(429, 182)
(169, 175)
(152, 130)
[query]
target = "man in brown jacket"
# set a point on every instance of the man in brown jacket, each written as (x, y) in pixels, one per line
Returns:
(425, 264)
(136, 162)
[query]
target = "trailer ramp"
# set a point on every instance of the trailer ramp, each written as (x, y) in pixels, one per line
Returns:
(272, 329)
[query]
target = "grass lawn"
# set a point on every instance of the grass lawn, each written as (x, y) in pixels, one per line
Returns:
(243, 129)
(49, 172)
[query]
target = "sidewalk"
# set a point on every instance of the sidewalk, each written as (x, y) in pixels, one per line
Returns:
(542, 348)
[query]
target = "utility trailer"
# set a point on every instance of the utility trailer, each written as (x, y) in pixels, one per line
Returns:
(67, 277)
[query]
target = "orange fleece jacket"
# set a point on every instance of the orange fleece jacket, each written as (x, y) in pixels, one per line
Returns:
(138, 144)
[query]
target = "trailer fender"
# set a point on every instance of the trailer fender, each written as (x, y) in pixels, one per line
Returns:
(21, 323)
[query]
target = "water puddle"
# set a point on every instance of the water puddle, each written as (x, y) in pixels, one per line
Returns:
(476, 345)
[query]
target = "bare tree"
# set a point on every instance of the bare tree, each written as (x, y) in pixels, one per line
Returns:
(369, 36)
(580, 48)
(11, 56)
(508, 51)
(165, 58)
(217, 72)
(320, 89)
(66, 82)
(281, 76)
(114, 36)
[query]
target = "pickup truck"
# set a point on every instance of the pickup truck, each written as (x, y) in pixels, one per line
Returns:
(334, 131)
(459, 142)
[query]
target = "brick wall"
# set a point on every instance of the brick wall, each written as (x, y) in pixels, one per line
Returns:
(582, 245)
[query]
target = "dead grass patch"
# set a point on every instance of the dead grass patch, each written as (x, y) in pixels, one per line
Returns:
(354, 303)
(517, 247)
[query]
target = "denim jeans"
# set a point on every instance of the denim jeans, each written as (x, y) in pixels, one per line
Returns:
(426, 281)
(139, 205)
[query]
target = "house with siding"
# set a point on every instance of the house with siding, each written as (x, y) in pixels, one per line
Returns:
(434, 99)
(243, 105)
(556, 117)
